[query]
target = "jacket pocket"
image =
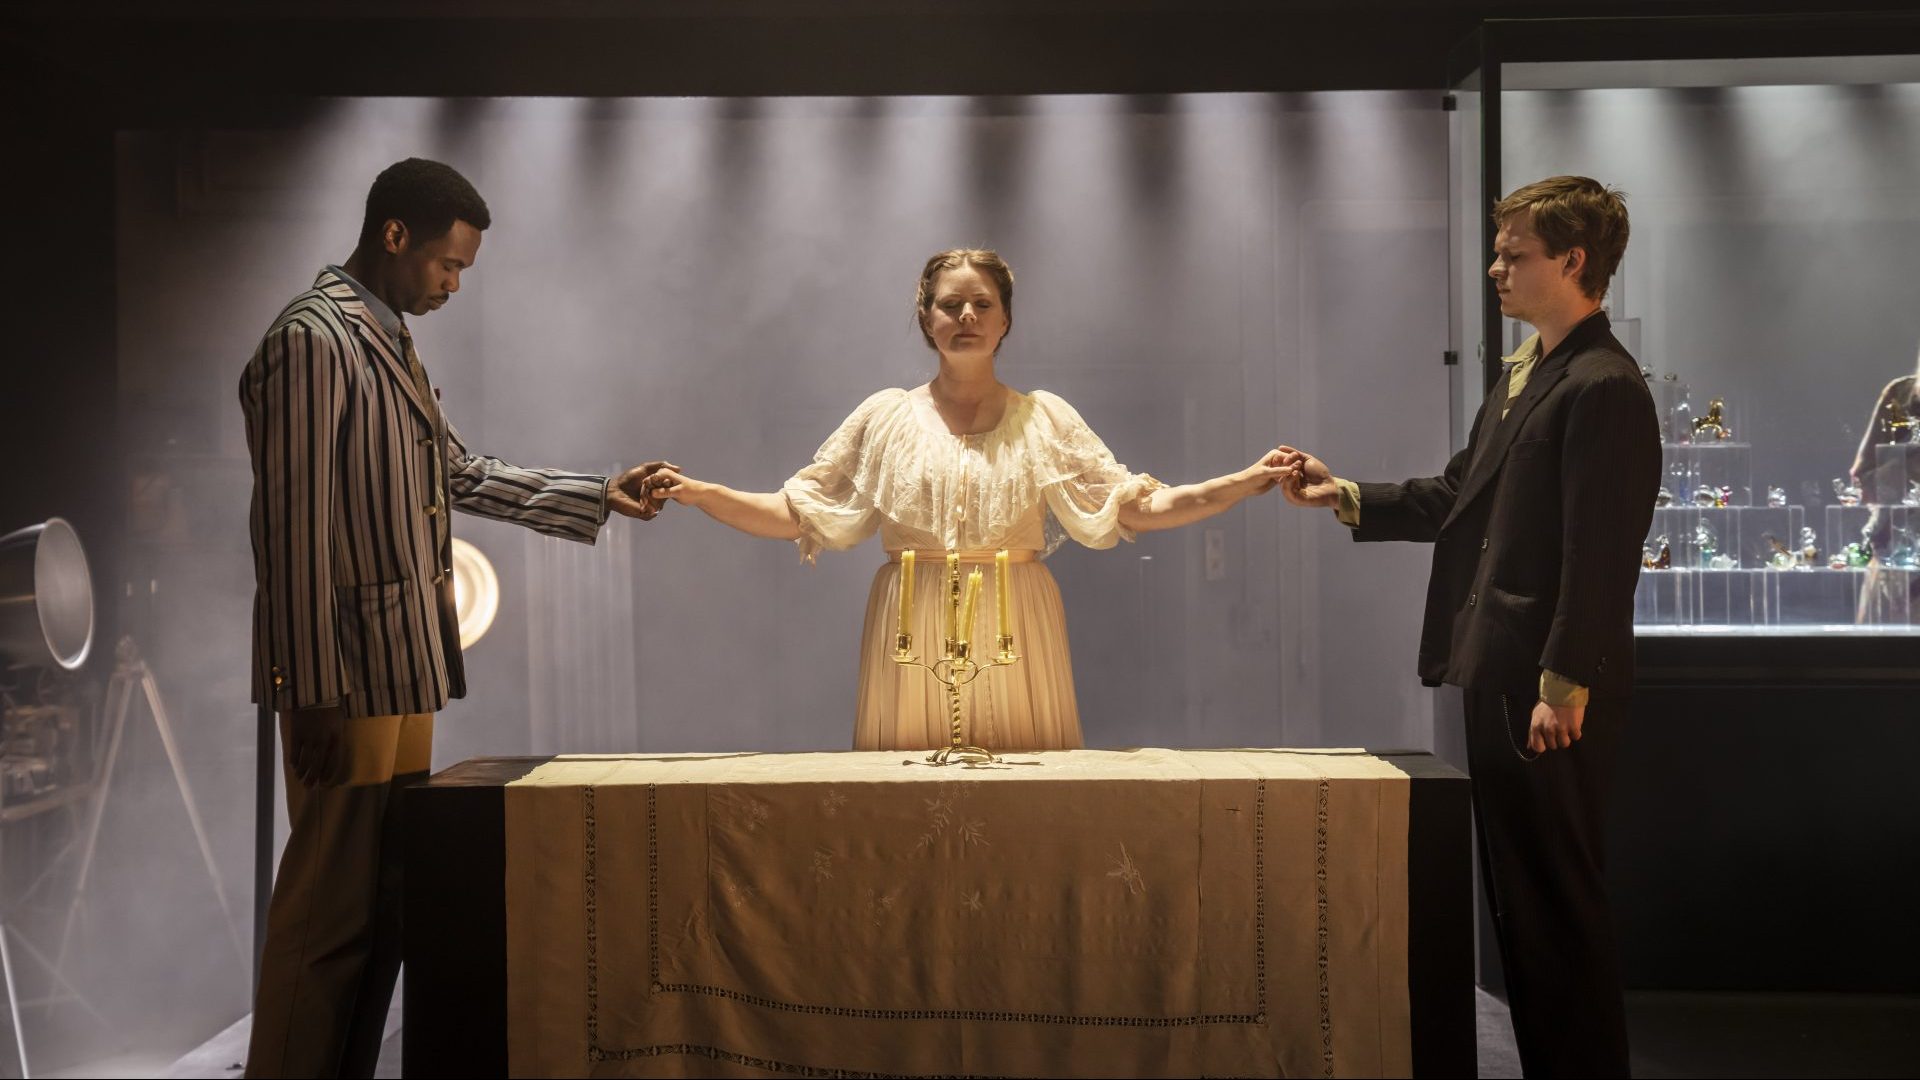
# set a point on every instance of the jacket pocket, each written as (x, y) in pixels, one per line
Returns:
(371, 627)
(1520, 623)
(1529, 448)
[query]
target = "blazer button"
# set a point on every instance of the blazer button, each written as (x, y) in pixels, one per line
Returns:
(1484, 541)
(1472, 598)
(431, 510)
(279, 680)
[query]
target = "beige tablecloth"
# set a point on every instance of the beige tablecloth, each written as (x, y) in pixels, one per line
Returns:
(1109, 913)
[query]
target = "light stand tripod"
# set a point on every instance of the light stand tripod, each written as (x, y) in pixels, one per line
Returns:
(130, 673)
(131, 670)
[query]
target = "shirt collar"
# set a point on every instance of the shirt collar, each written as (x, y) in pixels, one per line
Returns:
(382, 314)
(1529, 350)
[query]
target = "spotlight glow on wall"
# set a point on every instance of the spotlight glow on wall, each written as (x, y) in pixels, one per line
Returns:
(476, 592)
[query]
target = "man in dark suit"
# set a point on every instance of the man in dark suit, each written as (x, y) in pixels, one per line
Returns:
(1537, 529)
(356, 640)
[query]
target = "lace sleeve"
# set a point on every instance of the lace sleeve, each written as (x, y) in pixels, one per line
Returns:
(1085, 487)
(833, 512)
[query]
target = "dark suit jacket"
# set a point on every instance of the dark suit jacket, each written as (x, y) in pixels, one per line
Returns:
(1537, 526)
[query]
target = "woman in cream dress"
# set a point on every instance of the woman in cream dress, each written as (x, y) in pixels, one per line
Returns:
(968, 464)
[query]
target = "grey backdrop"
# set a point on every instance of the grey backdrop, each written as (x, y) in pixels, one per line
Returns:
(720, 281)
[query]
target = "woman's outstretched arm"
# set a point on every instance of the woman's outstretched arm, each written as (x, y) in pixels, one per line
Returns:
(1172, 507)
(757, 513)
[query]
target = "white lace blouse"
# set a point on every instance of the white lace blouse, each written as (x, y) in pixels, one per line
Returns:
(1037, 478)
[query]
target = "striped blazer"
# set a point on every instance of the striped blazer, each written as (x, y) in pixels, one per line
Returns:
(353, 475)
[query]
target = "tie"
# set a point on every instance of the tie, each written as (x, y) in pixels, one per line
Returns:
(435, 417)
(419, 373)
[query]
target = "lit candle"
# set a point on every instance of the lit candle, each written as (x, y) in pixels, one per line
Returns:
(906, 592)
(966, 609)
(950, 594)
(1000, 591)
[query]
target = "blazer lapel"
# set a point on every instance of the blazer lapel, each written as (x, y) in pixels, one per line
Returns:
(386, 350)
(1547, 374)
(1484, 444)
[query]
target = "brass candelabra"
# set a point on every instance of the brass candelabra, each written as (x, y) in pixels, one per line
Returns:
(957, 667)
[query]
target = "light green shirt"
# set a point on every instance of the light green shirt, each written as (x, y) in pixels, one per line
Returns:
(1519, 367)
(1554, 689)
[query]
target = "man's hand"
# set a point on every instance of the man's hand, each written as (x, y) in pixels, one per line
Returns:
(317, 745)
(630, 495)
(1312, 484)
(1555, 727)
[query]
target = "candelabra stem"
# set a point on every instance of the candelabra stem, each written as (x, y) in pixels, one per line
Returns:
(958, 750)
(953, 712)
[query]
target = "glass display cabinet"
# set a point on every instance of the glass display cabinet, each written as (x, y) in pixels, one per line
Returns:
(1770, 167)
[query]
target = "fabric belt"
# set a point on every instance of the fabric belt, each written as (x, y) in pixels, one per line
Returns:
(931, 558)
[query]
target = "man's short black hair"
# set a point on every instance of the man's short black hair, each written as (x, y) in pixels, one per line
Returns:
(426, 196)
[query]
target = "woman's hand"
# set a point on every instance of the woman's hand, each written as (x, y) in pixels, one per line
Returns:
(671, 483)
(1272, 468)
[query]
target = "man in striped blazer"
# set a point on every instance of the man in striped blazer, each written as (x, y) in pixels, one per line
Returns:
(355, 638)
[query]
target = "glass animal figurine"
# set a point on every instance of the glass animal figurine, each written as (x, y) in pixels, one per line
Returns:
(1714, 424)
(1662, 560)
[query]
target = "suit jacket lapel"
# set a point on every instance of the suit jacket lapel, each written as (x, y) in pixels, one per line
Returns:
(1489, 425)
(386, 351)
(1547, 374)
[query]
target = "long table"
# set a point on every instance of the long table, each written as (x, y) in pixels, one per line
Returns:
(1137, 913)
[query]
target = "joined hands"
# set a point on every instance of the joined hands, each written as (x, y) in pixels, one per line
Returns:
(1270, 471)
(668, 482)
(632, 493)
(1311, 483)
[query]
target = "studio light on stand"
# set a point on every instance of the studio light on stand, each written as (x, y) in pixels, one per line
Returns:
(46, 598)
(58, 749)
(49, 733)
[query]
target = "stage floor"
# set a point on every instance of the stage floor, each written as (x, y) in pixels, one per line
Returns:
(1674, 1035)
(223, 1056)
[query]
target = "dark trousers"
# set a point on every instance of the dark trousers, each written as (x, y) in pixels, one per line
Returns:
(333, 925)
(1540, 829)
